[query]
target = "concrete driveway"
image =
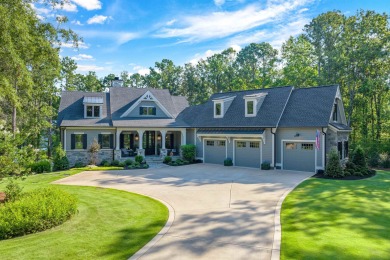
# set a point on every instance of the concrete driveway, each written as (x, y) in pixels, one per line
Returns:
(219, 212)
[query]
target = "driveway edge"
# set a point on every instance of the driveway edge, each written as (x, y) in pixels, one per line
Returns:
(163, 231)
(275, 252)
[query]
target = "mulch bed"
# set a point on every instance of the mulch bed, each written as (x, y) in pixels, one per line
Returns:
(2, 197)
(346, 178)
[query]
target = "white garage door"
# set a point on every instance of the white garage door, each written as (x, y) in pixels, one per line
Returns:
(247, 154)
(299, 156)
(214, 151)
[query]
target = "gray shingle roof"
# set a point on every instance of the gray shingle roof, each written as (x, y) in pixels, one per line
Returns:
(309, 107)
(267, 116)
(340, 126)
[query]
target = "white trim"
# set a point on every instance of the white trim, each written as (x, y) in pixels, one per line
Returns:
(338, 130)
(323, 150)
(106, 133)
(93, 110)
(149, 97)
(204, 152)
(254, 107)
(247, 140)
(215, 110)
(298, 141)
(261, 136)
(224, 99)
(64, 147)
(78, 133)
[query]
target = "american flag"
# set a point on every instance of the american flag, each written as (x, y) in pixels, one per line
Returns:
(318, 139)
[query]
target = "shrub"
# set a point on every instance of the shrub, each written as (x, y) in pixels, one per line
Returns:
(60, 161)
(144, 166)
(384, 160)
(139, 159)
(12, 191)
(41, 166)
(359, 158)
(105, 163)
(167, 159)
(333, 168)
(188, 152)
(185, 162)
(266, 166)
(36, 211)
(129, 162)
(198, 161)
(93, 150)
(228, 162)
(373, 159)
(79, 164)
(115, 163)
(122, 164)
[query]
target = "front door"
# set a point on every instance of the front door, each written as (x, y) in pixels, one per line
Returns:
(149, 142)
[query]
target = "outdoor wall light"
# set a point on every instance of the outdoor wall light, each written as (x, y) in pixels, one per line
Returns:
(136, 137)
(159, 137)
(296, 135)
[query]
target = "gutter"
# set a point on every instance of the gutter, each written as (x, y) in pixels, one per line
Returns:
(324, 154)
(274, 149)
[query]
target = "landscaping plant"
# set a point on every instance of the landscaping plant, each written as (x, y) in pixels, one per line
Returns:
(266, 166)
(139, 159)
(93, 150)
(12, 190)
(228, 162)
(60, 161)
(41, 166)
(333, 168)
(167, 159)
(188, 152)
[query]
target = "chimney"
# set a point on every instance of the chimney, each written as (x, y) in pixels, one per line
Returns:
(116, 82)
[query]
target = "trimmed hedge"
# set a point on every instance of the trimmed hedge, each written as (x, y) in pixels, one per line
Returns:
(36, 211)
(188, 152)
(228, 162)
(41, 166)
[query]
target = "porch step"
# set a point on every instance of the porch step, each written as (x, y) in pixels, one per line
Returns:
(157, 159)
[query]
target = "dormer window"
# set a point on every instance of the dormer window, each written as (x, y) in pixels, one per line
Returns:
(253, 103)
(93, 107)
(335, 113)
(218, 109)
(147, 111)
(221, 105)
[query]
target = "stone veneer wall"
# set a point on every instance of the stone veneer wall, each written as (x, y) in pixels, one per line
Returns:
(332, 138)
(84, 156)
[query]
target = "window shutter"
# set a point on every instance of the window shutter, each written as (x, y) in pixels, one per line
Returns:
(346, 149)
(154, 111)
(141, 111)
(111, 141)
(72, 142)
(100, 140)
(84, 141)
(122, 141)
(340, 149)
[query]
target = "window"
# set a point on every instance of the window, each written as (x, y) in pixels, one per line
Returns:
(218, 109)
(291, 146)
(241, 144)
(254, 144)
(105, 141)
(147, 111)
(78, 141)
(335, 112)
(93, 111)
(340, 149)
(249, 107)
(306, 146)
(221, 143)
(210, 143)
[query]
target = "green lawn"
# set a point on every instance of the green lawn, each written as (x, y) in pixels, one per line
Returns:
(334, 219)
(110, 224)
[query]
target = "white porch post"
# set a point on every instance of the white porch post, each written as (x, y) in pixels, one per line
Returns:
(183, 137)
(140, 138)
(64, 147)
(118, 135)
(163, 134)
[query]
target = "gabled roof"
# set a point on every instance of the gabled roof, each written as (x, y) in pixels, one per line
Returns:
(71, 111)
(309, 107)
(268, 115)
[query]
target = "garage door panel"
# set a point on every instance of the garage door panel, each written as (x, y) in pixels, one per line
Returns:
(215, 151)
(247, 153)
(299, 156)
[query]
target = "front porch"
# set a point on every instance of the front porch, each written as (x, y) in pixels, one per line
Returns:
(148, 142)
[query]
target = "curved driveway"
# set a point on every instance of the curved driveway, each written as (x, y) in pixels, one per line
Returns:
(220, 212)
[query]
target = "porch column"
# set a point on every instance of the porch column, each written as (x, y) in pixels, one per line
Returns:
(163, 134)
(117, 140)
(183, 137)
(64, 147)
(140, 138)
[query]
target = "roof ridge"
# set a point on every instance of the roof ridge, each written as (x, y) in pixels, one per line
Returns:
(323, 86)
(237, 91)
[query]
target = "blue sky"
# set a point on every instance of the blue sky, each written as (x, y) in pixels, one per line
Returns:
(132, 35)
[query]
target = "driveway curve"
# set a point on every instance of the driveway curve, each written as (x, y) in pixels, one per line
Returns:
(220, 212)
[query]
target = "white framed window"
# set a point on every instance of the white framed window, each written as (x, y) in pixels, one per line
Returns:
(254, 144)
(210, 143)
(78, 141)
(291, 146)
(105, 141)
(241, 144)
(250, 105)
(306, 146)
(218, 108)
(92, 111)
(221, 143)
(147, 111)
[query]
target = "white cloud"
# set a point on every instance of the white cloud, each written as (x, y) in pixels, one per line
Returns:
(119, 37)
(83, 57)
(86, 68)
(89, 4)
(77, 22)
(81, 45)
(99, 19)
(219, 2)
(143, 72)
(125, 37)
(67, 6)
(139, 69)
(171, 22)
(303, 10)
(225, 23)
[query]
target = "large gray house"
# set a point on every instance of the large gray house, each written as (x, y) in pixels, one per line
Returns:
(292, 129)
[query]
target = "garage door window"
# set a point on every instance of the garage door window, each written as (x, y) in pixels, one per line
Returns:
(254, 144)
(291, 146)
(221, 143)
(210, 143)
(307, 146)
(241, 144)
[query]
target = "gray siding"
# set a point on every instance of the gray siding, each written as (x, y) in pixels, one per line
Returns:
(91, 134)
(190, 133)
(199, 147)
(289, 134)
(267, 146)
(159, 112)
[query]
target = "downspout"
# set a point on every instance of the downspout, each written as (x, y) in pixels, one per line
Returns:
(324, 133)
(113, 150)
(274, 150)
